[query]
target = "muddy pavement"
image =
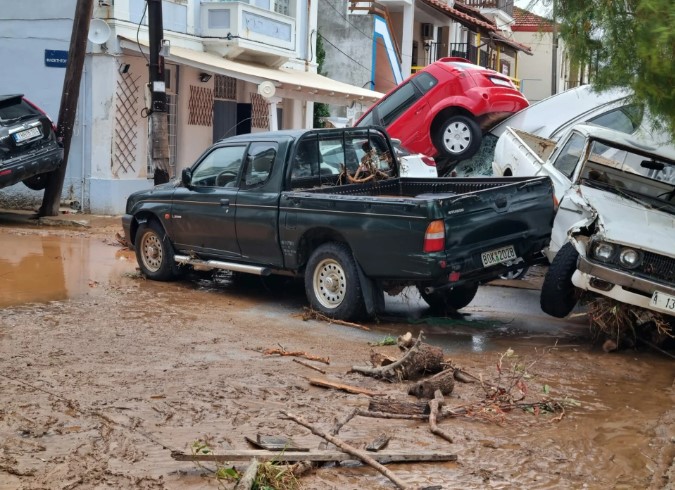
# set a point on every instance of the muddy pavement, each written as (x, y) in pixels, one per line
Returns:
(103, 373)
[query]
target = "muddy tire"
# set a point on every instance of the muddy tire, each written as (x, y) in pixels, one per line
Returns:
(458, 138)
(332, 282)
(154, 252)
(558, 294)
(450, 299)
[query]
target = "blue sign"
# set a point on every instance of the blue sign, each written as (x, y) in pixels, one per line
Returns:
(56, 58)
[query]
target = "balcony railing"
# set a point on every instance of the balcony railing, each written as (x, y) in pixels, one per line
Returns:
(505, 5)
(240, 27)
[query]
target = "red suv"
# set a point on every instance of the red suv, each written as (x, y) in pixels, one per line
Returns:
(443, 110)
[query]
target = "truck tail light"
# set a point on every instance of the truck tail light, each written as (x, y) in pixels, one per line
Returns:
(434, 238)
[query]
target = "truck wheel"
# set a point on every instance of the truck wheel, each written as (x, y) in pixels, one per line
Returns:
(558, 294)
(332, 282)
(454, 299)
(154, 252)
(515, 274)
(458, 138)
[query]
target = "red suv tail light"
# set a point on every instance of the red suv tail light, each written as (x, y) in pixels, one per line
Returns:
(434, 238)
(502, 82)
(428, 161)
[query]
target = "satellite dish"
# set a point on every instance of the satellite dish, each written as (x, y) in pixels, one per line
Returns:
(99, 31)
(267, 89)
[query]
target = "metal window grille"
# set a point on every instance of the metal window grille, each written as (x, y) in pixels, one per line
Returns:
(282, 7)
(225, 87)
(260, 112)
(200, 106)
(127, 110)
(171, 107)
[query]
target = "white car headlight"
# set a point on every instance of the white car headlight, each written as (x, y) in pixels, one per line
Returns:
(603, 251)
(629, 258)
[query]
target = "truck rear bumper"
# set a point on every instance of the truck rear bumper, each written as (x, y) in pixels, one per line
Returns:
(618, 285)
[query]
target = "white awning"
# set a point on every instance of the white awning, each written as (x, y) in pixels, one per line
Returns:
(292, 84)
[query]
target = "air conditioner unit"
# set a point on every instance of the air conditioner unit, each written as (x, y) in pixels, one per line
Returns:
(427, 32)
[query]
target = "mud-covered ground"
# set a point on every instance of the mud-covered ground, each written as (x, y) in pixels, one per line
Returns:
(103, 373)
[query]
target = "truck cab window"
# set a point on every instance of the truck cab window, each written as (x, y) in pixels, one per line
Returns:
(569, 156)
(259, 163)
(220, 168)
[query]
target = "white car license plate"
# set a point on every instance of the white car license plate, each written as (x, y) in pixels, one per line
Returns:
(498, 256)
(663, 302)
(26, 135)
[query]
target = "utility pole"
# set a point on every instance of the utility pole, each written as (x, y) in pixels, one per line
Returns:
(159, 123)
(68, 108)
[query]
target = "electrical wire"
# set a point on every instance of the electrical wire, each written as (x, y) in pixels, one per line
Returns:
(138, 30)
(389, 79)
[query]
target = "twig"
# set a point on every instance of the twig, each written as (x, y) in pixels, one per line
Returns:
(348, 449)
(283, 352)
(382, 371)
(310, 314)
(339, 386)
(309, 366)
(386, 415)
(435, 406)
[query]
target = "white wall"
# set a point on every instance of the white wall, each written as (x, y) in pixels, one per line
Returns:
(535, 71)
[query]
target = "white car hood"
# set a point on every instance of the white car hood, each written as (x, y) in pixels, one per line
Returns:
(627, 222)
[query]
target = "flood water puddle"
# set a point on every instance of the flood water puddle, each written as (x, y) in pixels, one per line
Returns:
(38, 269)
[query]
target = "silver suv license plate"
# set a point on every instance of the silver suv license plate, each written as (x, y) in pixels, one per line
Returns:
(498, 256)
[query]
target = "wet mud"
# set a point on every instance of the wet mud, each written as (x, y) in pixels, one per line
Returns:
(103, 373)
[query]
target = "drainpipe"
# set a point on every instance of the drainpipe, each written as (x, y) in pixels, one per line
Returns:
(478, 48)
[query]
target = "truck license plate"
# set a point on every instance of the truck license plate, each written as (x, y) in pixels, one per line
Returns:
(663, 302)
(498, 256)
(22, 136)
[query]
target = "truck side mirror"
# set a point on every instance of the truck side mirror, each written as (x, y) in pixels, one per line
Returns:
(186, 177)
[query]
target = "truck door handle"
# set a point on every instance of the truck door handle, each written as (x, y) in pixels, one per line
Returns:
(224, 202)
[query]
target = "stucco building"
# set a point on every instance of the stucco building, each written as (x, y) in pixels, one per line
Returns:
(231, 67)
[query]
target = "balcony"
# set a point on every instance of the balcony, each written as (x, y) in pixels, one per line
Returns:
(247, 32)
(504, 5)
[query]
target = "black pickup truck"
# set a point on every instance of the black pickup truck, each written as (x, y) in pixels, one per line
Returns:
(328, 205)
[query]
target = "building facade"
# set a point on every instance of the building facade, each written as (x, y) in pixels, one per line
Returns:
(231, 68)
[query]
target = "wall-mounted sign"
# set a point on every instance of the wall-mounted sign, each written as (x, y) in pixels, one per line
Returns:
(56, 58)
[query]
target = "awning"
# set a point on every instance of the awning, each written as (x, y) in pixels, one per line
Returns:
(292, 84)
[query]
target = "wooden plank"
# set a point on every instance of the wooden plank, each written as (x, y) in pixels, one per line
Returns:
(292, 456)
(324, 383)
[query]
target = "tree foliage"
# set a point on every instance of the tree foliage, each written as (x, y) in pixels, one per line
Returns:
(627, 43)
(320, 109)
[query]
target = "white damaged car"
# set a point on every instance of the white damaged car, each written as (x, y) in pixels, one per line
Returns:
(614, 232)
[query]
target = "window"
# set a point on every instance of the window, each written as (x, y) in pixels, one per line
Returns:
(259, 163)
(394, 105)
(425, 82)
(569, 156)
(14, 108)
(625, 119)
(220, 168)
(306, 159)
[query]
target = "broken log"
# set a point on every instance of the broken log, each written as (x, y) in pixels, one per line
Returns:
(443, 381)
(435, 406)
(348, 449)
(378, 359)
(394, 406)
(338, 386)
(248, 479)
(464, 377)
(383, 457)
(420, 359)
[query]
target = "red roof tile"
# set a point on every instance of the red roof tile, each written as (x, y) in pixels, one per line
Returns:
(525, 21)
(461, 17)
